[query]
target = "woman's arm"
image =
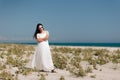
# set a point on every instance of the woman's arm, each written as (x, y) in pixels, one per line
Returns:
(43, 39)
(40, 39)
(47, 36)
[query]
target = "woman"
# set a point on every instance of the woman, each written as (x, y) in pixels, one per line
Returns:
(42, 59)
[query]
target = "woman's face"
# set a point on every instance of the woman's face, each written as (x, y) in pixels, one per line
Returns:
(40, 27)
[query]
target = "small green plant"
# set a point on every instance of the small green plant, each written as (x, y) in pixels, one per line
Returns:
(93, 76)
(42, 77)
(88, 70)
(2, 66)
(93, 62)
(63, 49)
(76, 69)
(59, 61)
(24, 71)
(116, 57)
(2, 55)
(62, 78)
(16, 62)
(4, 75)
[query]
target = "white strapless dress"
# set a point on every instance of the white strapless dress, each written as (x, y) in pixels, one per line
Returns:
(42, 59)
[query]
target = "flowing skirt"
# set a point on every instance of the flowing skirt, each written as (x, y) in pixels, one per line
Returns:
(42, 59)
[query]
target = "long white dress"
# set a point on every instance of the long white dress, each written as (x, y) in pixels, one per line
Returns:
(42, 59)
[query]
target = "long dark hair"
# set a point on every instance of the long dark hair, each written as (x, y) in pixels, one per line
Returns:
(37, 30)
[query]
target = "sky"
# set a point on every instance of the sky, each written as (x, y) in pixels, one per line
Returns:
(66, 20)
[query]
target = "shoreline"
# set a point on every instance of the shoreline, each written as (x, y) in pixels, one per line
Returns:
(70, 46)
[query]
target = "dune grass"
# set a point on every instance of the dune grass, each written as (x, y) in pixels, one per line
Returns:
(70, 59)
(12, 55)
(65, 58)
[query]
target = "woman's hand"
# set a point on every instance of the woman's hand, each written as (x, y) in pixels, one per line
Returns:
(40, 39)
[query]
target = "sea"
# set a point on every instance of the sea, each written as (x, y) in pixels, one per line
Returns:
(79, 44)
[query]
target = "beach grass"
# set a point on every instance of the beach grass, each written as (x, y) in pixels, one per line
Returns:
(16, 56)
(70, 59)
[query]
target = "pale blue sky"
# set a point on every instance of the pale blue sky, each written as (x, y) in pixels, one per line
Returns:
(66, 20)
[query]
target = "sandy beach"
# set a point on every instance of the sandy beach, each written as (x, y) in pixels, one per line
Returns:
(71, 63)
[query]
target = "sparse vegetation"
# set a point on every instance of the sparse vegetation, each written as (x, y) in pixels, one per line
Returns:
(12, 55)
(59, 61)
(88, 70)
(17, 56)
(6, 75)
(42, 77)
(93, 76)
(62, 78)
(75, 55)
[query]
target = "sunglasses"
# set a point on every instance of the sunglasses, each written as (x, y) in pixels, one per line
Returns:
(41, 27)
